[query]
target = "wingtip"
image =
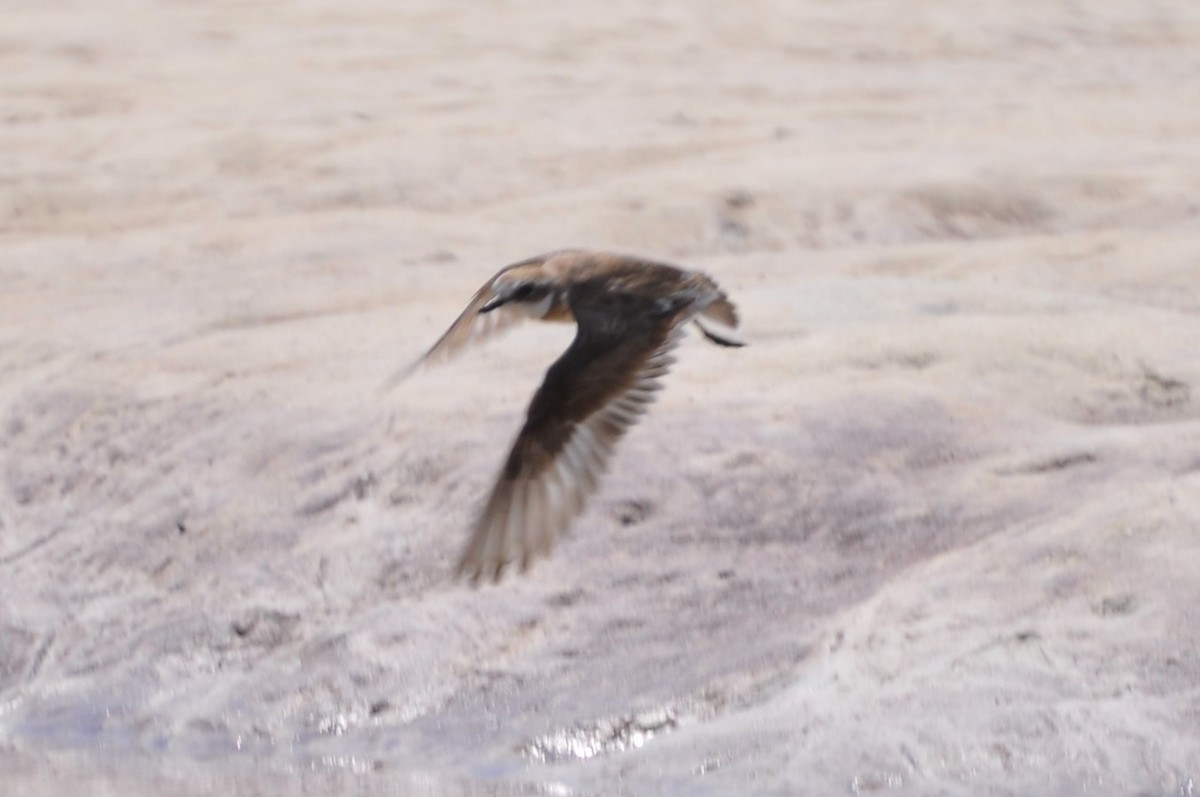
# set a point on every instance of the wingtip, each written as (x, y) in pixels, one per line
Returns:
(393, 381)
(469, 571)
(476, 574)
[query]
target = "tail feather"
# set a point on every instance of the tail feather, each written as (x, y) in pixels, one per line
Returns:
(718, 319)
(722, 311)
(717, 331)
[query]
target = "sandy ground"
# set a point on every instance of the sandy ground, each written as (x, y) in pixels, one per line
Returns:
(937, 530)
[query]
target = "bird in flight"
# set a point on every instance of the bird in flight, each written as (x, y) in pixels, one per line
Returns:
(630, 313)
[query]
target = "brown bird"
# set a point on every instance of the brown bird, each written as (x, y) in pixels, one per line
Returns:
(630, 314)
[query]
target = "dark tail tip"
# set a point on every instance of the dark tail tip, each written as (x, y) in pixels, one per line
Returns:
(720, 340)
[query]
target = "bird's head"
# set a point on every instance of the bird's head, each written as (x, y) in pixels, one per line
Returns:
(527, 288)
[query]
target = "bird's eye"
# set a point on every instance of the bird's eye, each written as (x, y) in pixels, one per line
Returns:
(523, 291)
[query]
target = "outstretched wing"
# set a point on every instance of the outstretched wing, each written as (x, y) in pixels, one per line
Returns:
(599, 388)
(469, 328)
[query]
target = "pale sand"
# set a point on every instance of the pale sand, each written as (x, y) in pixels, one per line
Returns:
(937, 530)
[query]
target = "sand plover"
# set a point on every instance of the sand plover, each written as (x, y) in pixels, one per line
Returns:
(630, 314)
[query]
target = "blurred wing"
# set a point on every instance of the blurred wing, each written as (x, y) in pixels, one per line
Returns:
(598, 389)
(469, 328)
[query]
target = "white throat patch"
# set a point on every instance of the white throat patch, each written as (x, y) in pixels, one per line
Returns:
(540, 308)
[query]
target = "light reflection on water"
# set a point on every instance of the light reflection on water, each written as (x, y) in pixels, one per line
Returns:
(603, 737)
(354, 741)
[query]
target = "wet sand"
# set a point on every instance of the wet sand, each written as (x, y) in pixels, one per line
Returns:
(936, 530)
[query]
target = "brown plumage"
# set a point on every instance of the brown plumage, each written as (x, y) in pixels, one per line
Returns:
(630, 314)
